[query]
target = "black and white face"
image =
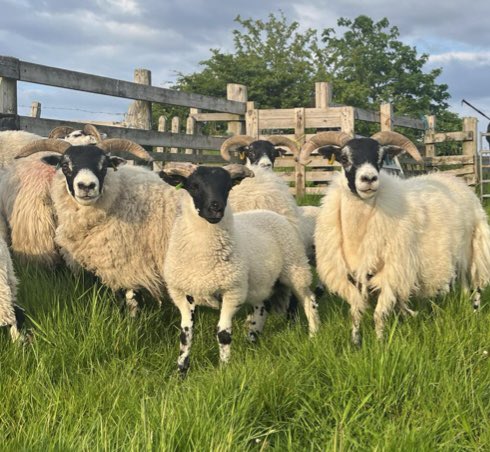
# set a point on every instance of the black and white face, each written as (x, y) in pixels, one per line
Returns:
(261, 153)
(80, 138)
(209, 188)
(84, 168)
(361, 159)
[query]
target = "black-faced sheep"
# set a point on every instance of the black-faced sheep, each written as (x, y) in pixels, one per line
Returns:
(112, 221)
(395, 237)
(214, 253)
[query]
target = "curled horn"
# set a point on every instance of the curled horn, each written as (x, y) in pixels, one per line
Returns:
(48, 145)
(281, 140)
(120, 145)
(397, 139)
(60, 132)
(237, 140)
(237, 170)
(179, 169)
(90, 129)
(322, 139)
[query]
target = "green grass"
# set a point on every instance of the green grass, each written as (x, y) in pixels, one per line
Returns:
(94, 379)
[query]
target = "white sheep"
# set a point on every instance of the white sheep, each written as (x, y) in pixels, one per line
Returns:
(12, 141)
(25, 202)
(113, 221)
(10, 314)
(238, 258)
(392, 237)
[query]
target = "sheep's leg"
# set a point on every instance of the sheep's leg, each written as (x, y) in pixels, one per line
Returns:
(310, 306)
(132, 304)
(405, 310)
(476, 299)
(386, 303)
(256, 321)
(186, 307)
(231, 304)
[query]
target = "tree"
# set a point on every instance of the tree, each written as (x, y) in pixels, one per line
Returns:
(279, 64)
(368, 65)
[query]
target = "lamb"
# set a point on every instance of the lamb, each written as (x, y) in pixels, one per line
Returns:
(113, 221)
(213, 253)
(12, 141)
(395, 237)
(25, 202)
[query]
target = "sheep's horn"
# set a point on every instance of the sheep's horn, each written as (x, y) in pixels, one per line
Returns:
(60, 132)
(237, 140)
(90, 129)
(237, 170)
(47, 145)
(121, 145)
(397, 139)
(281, 140)
(184, 169)
(323, 139)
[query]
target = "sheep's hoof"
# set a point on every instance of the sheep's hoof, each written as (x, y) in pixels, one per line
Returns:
(357, 339)
(184, 367)
(252, 337)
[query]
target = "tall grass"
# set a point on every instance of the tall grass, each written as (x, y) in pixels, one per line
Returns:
(94, 379)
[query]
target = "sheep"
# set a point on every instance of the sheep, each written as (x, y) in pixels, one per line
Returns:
(394, 237)
(25, 202)
(12, 141)
(113, 221)
(11, 314)
(262, 153)
(213, 253)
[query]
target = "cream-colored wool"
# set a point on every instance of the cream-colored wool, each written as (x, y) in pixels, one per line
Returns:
(123, 237)
(267, 191)
(307, 222)
(416, 236)
(240, 259)
(26, 205)
(11, 142)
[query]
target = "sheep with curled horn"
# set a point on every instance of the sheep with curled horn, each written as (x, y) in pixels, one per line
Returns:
(112, 220)
(25, 201)
(394, 238)
(258, 153)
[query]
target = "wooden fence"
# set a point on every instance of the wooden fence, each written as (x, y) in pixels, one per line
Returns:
(241, 116)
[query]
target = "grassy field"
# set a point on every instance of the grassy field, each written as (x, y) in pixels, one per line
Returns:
(94, 379)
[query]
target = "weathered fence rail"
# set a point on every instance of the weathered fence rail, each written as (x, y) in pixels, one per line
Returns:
(185, 142)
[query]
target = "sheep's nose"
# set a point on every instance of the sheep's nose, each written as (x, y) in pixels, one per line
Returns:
(215, 206)
(369, 179)
(266, 165)
(86, 187)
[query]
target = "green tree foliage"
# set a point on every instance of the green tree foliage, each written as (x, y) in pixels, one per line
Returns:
(279, 64)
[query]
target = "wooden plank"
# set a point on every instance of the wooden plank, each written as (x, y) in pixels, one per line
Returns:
(441, 137)
(36, 109)
(430, 149)
(209, 117)
(43, 126)
(299, 136)
(316, 190)
(470, 125)
(62, 78)
(139, 112)
(449, 160)
(323, 94)
(175, 128)
(323, 118)
(347, 120)
(398, 120)
(8, 96)
(467, 169)
(252, 122)
(386, 117)
(236, 92)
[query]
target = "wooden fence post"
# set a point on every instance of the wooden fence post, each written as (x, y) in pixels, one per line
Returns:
(8, 96)
(347, 119)
(323, 94)
(386, 117)
(236, 92)
(252, 120)
(36, 109)
(430, 149)
(190, 130)
(470, 124)
(299, 136)
(175, 129)
(139, 112)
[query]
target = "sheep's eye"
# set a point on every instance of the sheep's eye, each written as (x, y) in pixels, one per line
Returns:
(65, 167)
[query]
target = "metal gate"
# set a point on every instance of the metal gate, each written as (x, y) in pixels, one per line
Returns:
(484, 168)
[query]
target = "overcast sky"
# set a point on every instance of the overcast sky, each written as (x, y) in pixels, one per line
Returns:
(113, 37)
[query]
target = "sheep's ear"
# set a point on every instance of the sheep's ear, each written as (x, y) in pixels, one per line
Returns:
(390, 151)
(332, 153)
(116, 161)
(280, 152)
(53, 160)
(172, 179)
